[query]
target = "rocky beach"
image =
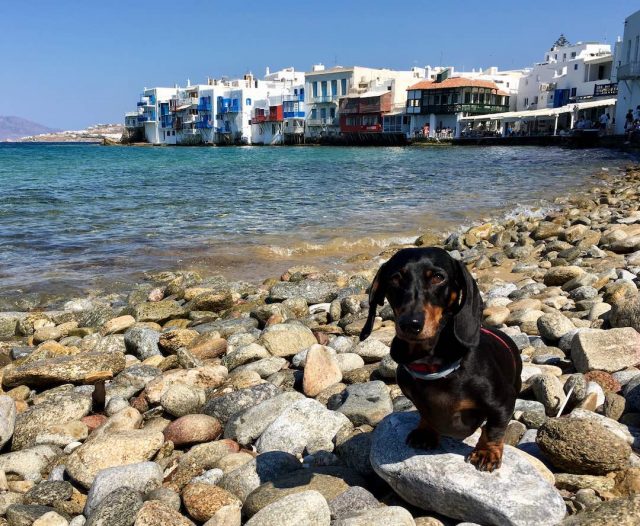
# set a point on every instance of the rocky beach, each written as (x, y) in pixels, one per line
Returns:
(196, 400)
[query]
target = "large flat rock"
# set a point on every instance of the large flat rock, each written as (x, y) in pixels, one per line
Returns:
(441, 480)
(78, 369)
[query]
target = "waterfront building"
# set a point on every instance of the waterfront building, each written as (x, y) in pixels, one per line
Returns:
(325, 88)
(435, 107)
(627, 70)
(569, 73)
(278, 118)
(218, 112)
(572, 84)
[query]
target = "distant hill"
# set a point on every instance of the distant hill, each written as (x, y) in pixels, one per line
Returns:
(17, 127)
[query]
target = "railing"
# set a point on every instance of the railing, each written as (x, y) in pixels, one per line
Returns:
(204, 106)
(204, 125)
(293, 114)
(605, 90)
(259, 118)
(629, 71)
(324, 98)
(466, 108)
(327, 121)
(230, 109)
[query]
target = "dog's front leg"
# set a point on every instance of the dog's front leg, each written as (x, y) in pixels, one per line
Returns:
(423, 436)
(487, 455)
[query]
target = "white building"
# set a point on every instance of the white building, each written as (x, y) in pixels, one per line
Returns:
(569, 73)
(627, 70)
(325, 87)
(218, 112)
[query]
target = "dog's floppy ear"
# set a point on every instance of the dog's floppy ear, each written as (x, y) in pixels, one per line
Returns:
(376, 297)
(466, 322)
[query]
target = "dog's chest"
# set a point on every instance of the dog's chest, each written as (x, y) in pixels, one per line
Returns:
(445, 411)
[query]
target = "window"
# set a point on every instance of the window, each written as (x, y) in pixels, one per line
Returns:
(547, 58)
(315, 89)
(334, 87)
(526, 102)
(344, 86)
(332, 113)
(467, 97)
(574, 92)
(573, 55)
(575, 67)
(314, 114)
(535, 99)
(564, 57)
(273, 128)
(323, 113)
(323, 88)
(248, 102)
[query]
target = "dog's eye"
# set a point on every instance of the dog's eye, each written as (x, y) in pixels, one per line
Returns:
(396, 277)
(438, 277)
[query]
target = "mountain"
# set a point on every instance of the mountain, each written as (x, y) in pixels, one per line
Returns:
(17, 127)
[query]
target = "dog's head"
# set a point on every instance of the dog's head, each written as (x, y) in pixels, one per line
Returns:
(428, 291)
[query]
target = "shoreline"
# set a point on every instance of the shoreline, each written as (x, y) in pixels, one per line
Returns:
(185, 390)
(254, 263)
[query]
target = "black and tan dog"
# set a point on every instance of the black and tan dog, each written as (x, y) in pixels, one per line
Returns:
(457, 374)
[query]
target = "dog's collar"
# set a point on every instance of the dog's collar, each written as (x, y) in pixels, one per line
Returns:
(443, 373)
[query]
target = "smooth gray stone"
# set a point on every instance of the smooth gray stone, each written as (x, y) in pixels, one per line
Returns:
(441, 480)
(142, 476)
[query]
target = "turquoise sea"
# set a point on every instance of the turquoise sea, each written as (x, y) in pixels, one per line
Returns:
(75, 218)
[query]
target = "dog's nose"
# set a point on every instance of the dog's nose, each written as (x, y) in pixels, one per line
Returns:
(411, 324)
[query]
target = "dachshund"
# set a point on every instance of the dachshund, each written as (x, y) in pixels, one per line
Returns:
(458, 374)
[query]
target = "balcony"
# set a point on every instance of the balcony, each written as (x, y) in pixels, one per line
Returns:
(257, 119)
(324, 98)
(293, 114)
(204, 106)
(477, 109)
(629, 71)
(327, 121)
(204, 125)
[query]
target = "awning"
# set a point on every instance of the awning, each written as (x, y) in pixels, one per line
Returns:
(541, 113)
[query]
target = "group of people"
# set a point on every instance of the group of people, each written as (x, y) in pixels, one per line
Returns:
(632, 122)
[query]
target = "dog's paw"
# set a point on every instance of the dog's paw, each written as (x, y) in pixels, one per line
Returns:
(486, 459)
(423, 439)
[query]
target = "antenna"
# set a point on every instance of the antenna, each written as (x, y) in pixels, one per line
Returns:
(335, 60)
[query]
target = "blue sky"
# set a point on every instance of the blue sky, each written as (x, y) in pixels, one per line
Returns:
(69, 64)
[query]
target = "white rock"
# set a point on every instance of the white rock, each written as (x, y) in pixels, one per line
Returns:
(441, 480)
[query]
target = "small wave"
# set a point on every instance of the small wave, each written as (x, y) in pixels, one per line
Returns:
(337, 246)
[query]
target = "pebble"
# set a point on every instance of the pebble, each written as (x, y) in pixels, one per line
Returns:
(225, 406)
(371, 350)
(307, 507)
(142, 477)
(156, 513)
(378, 517)
(193, 429)
(366, 403)
(321, 370)
(110, 450)
(564, 443)
(264, 468)
(246, 426)
(306, 425)
(202, 501)
(286, 339)
(118, 508)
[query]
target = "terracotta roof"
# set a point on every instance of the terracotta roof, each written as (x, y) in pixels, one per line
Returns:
(454, 82)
